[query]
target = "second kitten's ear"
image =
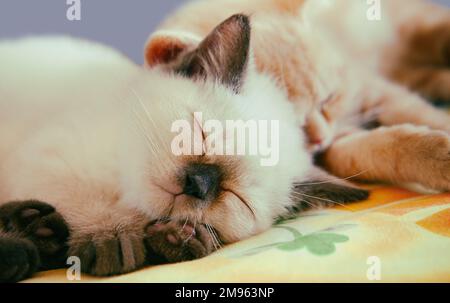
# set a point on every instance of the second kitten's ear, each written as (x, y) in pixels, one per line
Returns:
(222, 56)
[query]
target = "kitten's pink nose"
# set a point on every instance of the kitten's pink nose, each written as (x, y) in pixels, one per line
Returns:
(202, 181)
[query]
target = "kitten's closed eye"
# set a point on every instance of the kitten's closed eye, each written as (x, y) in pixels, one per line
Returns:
(319, 131)
(328, 99)
(325, 105)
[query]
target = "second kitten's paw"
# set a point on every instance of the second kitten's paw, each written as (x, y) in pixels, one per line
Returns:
(106, 255)
(19, 259)
(42, 225)
(176, 241)
(434, 151)
(440, 157)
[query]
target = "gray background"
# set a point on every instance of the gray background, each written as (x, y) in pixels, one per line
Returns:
(123, 24)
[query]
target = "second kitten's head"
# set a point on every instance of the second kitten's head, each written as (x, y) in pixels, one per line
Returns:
(235, 194)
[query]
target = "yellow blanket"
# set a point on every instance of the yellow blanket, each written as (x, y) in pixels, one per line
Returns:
(395, 236)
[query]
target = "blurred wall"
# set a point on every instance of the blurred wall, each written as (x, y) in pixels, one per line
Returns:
(123, 24)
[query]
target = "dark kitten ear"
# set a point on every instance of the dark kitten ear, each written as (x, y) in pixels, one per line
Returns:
(222, 55)
(322, 189)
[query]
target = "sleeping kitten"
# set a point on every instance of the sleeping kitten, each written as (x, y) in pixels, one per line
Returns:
(341, 71)
(88, 132)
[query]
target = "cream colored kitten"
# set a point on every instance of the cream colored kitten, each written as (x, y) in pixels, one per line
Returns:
(341, 70)
(87, 131)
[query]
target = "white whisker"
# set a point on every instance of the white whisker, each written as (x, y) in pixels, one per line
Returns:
(213, 236)
(331, 181)
(323, 199)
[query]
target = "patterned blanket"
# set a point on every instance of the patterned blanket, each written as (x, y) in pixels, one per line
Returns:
(395, 236)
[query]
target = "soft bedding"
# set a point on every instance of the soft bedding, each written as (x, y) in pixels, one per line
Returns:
(395, 236)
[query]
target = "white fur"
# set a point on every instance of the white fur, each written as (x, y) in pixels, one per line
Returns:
(83, 128)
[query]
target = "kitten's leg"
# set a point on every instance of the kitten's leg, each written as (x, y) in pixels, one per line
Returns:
(39, 223)
(423, 59)
(431, 82)
(176, 241)
(109, 240)
(398, 154)
(396, 105)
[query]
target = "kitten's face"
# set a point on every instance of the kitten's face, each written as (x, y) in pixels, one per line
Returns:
(307, 65)
(319, 82)
(234, 194)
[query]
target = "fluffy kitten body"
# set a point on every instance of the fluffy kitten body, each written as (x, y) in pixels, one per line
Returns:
(88, 132)
(342, 70)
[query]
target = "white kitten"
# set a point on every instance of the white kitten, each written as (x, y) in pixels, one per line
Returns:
(84, 129)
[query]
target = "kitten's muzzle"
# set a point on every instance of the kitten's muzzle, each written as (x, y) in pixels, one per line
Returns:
(202, 181)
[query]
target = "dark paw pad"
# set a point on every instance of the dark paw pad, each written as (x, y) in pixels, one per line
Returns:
(174, 241)
(41, 224)
(19, 259)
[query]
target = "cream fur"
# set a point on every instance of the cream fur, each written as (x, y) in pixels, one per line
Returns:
(340, 69)
(87, 131)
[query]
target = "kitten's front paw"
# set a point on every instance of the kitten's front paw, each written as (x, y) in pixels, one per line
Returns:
(19, 259)
(106, 255)
(42, 225)
(175, 241)
(427, 160)
(434, 151)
